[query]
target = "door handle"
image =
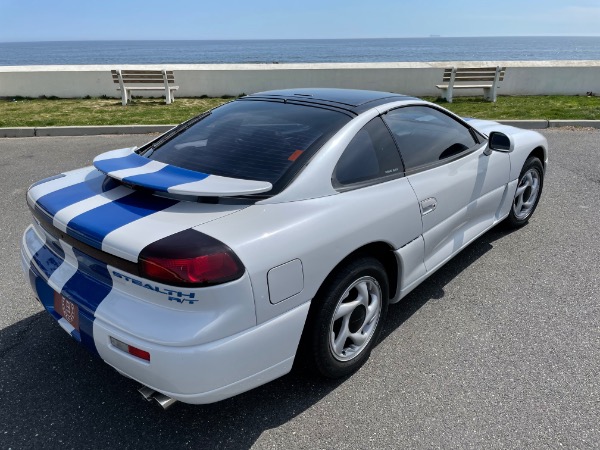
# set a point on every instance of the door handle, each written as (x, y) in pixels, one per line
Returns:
(428, 205)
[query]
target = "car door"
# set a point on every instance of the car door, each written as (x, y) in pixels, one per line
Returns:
(458, 186)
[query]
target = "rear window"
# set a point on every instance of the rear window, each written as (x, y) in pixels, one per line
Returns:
(253, 140)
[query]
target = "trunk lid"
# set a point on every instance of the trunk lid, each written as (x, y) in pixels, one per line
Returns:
(107, 215)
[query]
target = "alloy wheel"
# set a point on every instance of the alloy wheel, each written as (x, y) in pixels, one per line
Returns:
(355, 318)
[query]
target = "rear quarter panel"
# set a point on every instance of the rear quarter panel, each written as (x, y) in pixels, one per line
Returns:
(320, 232)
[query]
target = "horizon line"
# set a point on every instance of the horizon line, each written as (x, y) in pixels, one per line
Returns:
(296, 39)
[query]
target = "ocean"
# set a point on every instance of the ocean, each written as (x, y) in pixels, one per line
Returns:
(301, 51)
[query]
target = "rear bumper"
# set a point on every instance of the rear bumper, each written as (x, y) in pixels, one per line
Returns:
(213, 371)
(199, 353)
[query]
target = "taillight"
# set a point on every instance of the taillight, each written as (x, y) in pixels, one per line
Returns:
(199, 270)
(190, 258)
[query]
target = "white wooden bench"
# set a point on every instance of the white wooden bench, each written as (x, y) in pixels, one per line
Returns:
(486, 78)
(141, 80)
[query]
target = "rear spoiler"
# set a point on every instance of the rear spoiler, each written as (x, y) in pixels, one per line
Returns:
(127, 166)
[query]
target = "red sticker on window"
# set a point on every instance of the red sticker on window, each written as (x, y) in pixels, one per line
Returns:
(294, 156)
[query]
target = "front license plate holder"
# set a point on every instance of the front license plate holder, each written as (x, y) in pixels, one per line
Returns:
(67, 310)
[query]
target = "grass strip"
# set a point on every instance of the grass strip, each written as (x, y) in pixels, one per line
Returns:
(553, 107)
(100, 111)
(43, 112)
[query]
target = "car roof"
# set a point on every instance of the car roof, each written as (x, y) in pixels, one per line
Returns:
(354, 100)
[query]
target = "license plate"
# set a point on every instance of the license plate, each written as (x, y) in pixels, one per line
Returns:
(67, 309)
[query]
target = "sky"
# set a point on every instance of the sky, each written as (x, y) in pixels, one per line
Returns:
(58, 20)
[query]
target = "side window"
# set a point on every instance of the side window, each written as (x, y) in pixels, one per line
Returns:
(426, 136)
(370, 155)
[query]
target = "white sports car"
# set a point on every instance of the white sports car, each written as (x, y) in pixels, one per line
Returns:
(280, 224)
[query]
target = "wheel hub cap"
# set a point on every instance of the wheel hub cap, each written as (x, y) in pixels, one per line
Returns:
(526, 194)
(355, 319)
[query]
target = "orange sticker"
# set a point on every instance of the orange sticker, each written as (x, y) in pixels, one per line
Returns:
(294, 156)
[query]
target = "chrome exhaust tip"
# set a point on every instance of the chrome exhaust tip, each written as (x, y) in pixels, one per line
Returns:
(164, 400)
(146, 392)
(150, 394)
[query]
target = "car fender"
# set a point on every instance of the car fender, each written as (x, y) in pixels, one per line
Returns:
(524, 142)
(319, 232)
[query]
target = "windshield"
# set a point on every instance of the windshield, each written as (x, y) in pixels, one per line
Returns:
(252, 140)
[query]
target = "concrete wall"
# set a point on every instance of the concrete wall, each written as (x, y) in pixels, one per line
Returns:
(522, 78)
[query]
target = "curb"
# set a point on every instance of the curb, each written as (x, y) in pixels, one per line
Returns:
(527, 124)
(25, 132)
(574, 123)
(543, 124)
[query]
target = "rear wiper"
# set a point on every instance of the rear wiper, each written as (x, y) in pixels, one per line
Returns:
(175, 131)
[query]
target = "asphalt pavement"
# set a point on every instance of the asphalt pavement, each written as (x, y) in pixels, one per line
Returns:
(498, 349)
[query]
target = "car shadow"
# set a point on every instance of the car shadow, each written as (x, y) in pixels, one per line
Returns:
(433, 287)
(53, 392)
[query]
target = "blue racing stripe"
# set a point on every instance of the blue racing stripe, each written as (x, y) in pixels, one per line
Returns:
(47, 261)
(44, 293)
(124, 162)
(165, 178)
(87, 288)
(55, 201)
(32, 240)
(92, 227)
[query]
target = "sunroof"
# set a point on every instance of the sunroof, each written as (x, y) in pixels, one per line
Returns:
(349, 97)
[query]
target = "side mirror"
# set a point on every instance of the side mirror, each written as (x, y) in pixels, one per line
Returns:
(500, 142)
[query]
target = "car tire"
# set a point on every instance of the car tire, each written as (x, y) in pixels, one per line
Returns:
(348, 317)
(527, 194)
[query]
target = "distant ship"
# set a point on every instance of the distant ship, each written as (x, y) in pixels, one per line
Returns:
(435, 35)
